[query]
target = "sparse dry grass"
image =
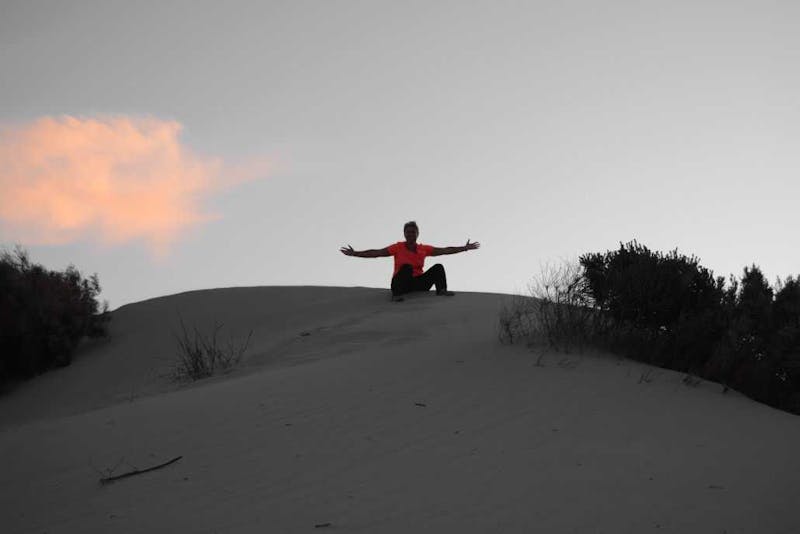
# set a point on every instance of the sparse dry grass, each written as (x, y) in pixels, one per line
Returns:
(557, 314)
(200, 356)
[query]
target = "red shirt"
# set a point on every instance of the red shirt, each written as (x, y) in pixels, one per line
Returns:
(402, 256)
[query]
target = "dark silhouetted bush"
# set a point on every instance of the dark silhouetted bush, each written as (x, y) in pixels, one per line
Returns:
(785, 343)
(668, 310)
(751, 331)
(665, 309)
(43, 315)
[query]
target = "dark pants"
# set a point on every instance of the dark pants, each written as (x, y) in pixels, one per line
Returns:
(405, 282)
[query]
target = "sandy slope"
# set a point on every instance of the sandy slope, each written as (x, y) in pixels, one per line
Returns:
(383, 418)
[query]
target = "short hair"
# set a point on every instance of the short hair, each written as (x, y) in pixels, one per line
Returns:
(412, 224)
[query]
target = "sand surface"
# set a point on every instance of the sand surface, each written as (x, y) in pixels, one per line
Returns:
(354, 414)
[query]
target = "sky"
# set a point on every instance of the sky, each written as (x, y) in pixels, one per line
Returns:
(172, 146)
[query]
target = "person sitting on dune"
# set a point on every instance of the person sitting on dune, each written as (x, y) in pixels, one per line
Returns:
(409, 258)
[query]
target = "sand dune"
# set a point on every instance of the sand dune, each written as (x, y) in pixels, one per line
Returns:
(354, 414)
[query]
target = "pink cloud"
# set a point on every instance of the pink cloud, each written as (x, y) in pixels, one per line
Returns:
(113, 179)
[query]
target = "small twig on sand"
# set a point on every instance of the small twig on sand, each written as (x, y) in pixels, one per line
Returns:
(108, 480)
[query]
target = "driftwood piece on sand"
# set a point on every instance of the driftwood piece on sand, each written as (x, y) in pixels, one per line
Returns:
(108, 480)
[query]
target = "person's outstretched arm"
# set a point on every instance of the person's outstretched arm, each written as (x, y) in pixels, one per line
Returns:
(455, 250)
(372, 253)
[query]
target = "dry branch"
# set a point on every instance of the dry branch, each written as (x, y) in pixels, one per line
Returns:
(108, 480)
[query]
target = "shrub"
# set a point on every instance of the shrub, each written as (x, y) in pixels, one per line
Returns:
(668, 310)
(665, 308)
(201, 356)
(784, 346)
(786, 320)
(44, 315)
(565, 318)
(787, 304)
(559, 312)
(517, 319)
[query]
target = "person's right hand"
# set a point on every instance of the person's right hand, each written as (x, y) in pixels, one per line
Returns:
(348, 251)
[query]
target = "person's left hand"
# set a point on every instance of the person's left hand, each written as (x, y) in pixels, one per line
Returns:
(472, 246)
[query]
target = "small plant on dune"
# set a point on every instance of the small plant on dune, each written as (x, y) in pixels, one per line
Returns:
(646, 377)
(566, 318)
(201, 356)
(691, 381)
(517, 319)
(559, 312)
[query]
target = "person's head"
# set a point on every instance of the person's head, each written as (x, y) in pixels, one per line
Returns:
(411, 231)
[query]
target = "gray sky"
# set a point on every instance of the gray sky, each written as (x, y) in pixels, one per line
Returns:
(544, 130)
